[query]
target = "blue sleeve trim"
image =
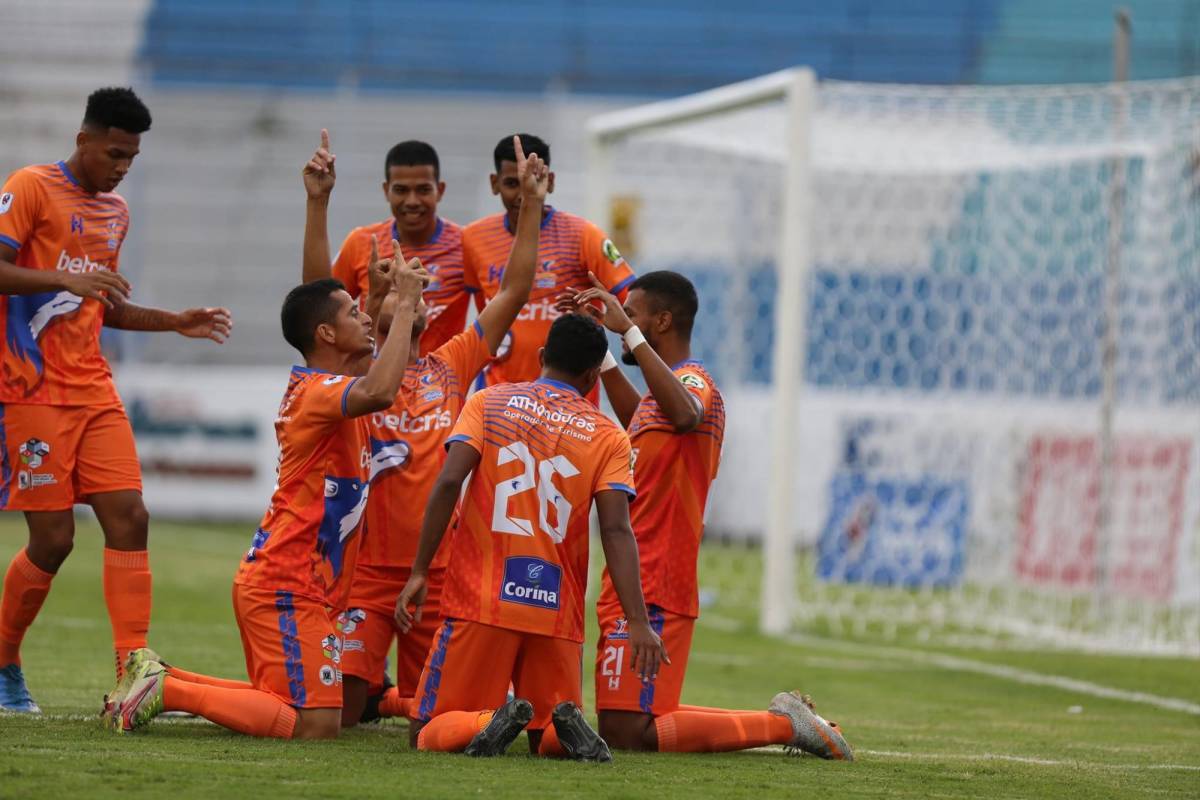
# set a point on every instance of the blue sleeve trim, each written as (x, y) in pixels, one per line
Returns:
(620, 487)
(622, 284)
(462, 437)
(13, 243)
(478, 328)
(346, 396)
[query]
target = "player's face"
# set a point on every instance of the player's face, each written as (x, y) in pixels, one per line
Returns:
(351, 327)
(106, 156)
(508, 186)
(388, 311)
(413, 193)
(641, 314)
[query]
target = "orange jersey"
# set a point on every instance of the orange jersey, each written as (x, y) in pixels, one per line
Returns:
(445, 298)
(568, 248)
(408, 447)
(519, 556)
(51, 349)
(308, 541)
(673, 473)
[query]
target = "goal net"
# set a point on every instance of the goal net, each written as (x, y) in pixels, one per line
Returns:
(958, 334)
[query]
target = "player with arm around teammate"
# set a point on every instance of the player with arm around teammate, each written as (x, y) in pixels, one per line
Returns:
(64, 434)
(538, 455)
(676, 430)
(407, 449)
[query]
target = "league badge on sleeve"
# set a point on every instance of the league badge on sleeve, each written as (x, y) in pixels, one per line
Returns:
(693, 381)
(611, 252)
(5, 202)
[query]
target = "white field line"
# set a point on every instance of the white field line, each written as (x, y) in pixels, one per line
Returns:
(1025, 676)
(1045, 762)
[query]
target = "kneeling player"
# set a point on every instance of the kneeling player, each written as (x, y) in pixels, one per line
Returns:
(676, 431)
(301, 561)
(538, 453)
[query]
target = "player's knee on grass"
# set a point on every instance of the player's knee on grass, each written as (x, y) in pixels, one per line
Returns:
(628, 730)
(318, 723)
(51, 538)
(124, 519)
(354, 699)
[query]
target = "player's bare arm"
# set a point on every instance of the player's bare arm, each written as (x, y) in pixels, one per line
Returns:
(99, 285)
(461, 460)
(681, 406)
(621, 555)
(377, 389)
(195, 323)
(517, 281)
(319, 176)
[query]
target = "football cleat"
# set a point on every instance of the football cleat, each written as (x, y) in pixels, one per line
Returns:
(576, 736)
(506, 725)
(14, 694)
(810, 732)
(112, 700)
(144, 700)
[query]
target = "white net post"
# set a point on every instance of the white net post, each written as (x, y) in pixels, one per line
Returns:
(794, 261)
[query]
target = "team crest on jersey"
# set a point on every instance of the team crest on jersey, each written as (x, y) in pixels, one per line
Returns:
(693, 381)
(33, 452)
(328, 675)
(611, 252)
(545, 277)
(332, 380)
(5, 202)
(113, 240)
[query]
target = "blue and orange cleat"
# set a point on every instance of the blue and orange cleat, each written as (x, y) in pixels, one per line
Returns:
(14, 694)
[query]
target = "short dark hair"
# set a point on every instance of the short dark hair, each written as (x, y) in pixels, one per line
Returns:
(116, 107)
(305, 307)
(529, 143)
(412, 153)
(575, 344)
(670, 291)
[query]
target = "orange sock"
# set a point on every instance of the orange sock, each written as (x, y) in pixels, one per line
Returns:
(550, 746)
(207, 680)
(247, 711)
(25, 589)
(393, 705)
(718, 731)
(127, 595)
(453, 731)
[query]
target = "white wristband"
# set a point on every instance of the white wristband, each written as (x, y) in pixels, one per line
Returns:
(608, 363)
(634, 337)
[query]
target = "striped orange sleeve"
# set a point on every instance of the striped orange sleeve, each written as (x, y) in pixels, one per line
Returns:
(20, 206)
(469, 427)
(616, 466)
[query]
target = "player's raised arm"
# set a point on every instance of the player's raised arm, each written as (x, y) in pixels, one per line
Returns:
(461, 460)
(621, 555)
(376, 390)
(681, 406)
(498, 316)
(319, 177)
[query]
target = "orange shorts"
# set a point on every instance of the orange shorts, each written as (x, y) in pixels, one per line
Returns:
(470, 667)
(52, 457)
(617, 687)
(369, 625)
(292, 647)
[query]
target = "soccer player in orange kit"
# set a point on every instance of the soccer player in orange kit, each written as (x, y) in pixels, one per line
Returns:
(538, 454)
(570, 247)
(407, 447)
(64, 435)
(413, 187)
(299, 568)
(676, 430)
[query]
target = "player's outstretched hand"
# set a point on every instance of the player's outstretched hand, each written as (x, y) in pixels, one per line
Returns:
(109, 288)
(532, 172)
(409, 279)
(648, 651)
(205, 323)
(613, 317)
(412, 594)
(319, 174)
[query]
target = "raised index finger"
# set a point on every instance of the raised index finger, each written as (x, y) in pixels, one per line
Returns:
(520, 151)
(324, 138)
(397, 256)
(374, 251)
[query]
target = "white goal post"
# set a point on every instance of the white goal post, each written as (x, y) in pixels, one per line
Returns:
(905, 297)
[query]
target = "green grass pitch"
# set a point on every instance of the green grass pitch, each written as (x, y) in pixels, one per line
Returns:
(921, 729)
